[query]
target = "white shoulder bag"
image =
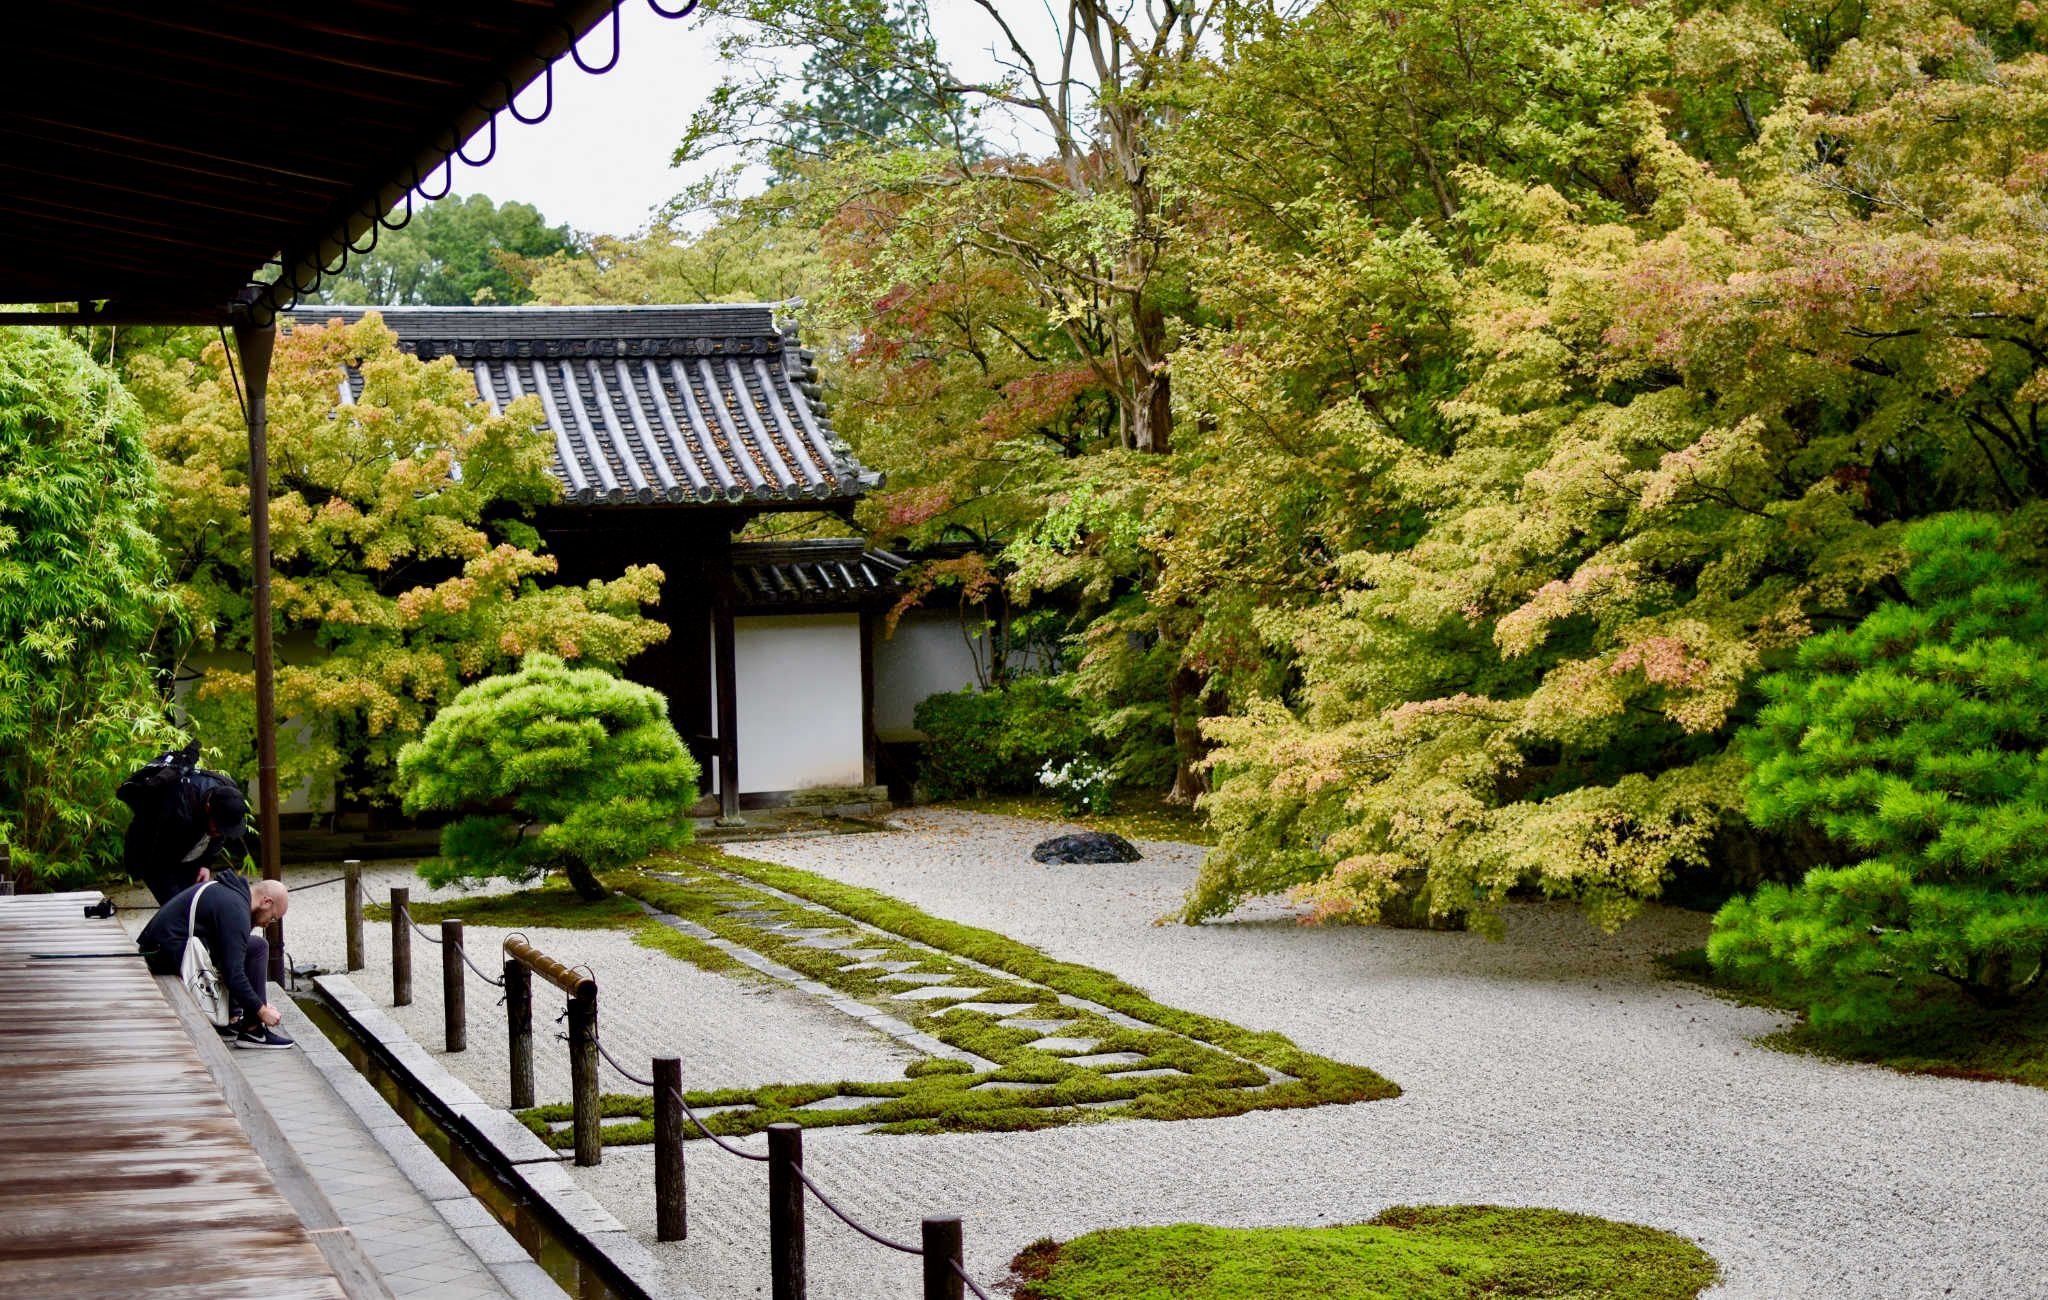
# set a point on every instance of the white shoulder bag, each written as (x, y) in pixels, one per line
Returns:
(196, 968)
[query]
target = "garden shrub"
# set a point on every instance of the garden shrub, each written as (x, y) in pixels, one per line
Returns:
(82, 602)
(997, 741)
(1918, 742)
(589, 759)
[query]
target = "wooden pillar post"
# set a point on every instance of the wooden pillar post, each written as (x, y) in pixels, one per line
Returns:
(519, 1012)
(254, 344)
(941, 1253)
(454, 1001)
(868, 744)
(786, 1280)
(727, 679)
(352, 909)
(671, 1218)
(583, 1096)
(401, 947)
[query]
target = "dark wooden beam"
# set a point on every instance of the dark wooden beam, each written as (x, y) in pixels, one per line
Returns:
(253, 345)
(726, 670)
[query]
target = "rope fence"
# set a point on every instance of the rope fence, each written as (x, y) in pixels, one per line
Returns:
(944, 1272)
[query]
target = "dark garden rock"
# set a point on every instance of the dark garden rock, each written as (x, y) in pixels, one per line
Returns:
(1088, 846)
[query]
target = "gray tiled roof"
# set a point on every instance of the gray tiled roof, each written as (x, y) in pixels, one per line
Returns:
(834, 571)
(648, 404)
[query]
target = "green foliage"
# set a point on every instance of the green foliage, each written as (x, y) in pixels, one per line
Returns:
(1642, 412)
(1437, 1252)
(457, 252)
(998, 740)
(589, 758)
(1918, 741)
(83, 601)
(396, 578)
(1942, 1036)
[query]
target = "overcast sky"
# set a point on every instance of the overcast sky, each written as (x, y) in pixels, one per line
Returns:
(600, 161)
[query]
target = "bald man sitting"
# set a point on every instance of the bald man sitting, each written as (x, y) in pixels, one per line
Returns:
(229, 920)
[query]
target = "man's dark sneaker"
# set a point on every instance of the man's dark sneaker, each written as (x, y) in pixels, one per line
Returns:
(227, 1031)
(263, 1040)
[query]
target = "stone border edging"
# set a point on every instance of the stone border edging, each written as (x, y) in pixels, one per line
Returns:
(521, 1156)
(465, 1216)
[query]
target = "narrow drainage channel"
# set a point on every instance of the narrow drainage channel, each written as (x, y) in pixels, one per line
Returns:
(565, 1260)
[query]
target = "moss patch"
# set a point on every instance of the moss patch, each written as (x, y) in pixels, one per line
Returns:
(1456, 1252)
(1138, 817)
(1208, 1067)
(1951, 1037)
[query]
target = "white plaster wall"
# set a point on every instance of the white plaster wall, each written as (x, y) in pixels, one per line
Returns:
(798, 680)
(927, 655)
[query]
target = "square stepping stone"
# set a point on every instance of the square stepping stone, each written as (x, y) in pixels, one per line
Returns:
(989, 1008)
(1042, 1026)
(937, 993)
(1007, 1085)
(1159, 1073)
(1107, 1058)
(830, 941)
(1063, 1045)
(918, 977)
(841, 1103)
(878, 965)
(867, 954)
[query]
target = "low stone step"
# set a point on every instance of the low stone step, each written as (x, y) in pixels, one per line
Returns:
(1158, 1073)
(879, 965)
(867, 954)
(918, 977)
(829, 941)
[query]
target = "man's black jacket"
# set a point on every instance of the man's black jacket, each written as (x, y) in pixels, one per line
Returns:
(224, 923)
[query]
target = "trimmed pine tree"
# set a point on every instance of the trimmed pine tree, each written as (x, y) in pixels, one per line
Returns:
(594, 775)
(1918, 741)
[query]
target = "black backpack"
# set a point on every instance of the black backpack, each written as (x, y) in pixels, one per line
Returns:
(174, 803)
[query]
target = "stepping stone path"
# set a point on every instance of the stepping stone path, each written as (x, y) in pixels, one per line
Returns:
(937, 993)
(931, 984)
(1063, 1045)
(1008, 1085)
(1107, 1058)
(1027, 1023)
(988, 1008)
(841, 1103)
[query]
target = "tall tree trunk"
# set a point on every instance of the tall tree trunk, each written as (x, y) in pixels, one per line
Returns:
(1151, 421)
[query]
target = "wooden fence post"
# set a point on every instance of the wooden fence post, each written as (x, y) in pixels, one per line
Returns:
(671, 1218)
(454, 1001)
(401, 947)
(583, 1074)
(352, 908)
(519, 1012)
(786, 1279)
(941, 1253)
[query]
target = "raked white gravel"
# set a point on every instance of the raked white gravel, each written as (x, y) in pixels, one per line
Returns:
(1551, 1069)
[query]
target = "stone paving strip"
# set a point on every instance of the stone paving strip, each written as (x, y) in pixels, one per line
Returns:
(1007, 1040)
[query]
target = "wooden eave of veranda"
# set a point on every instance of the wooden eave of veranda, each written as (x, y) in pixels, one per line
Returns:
(202, 162)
